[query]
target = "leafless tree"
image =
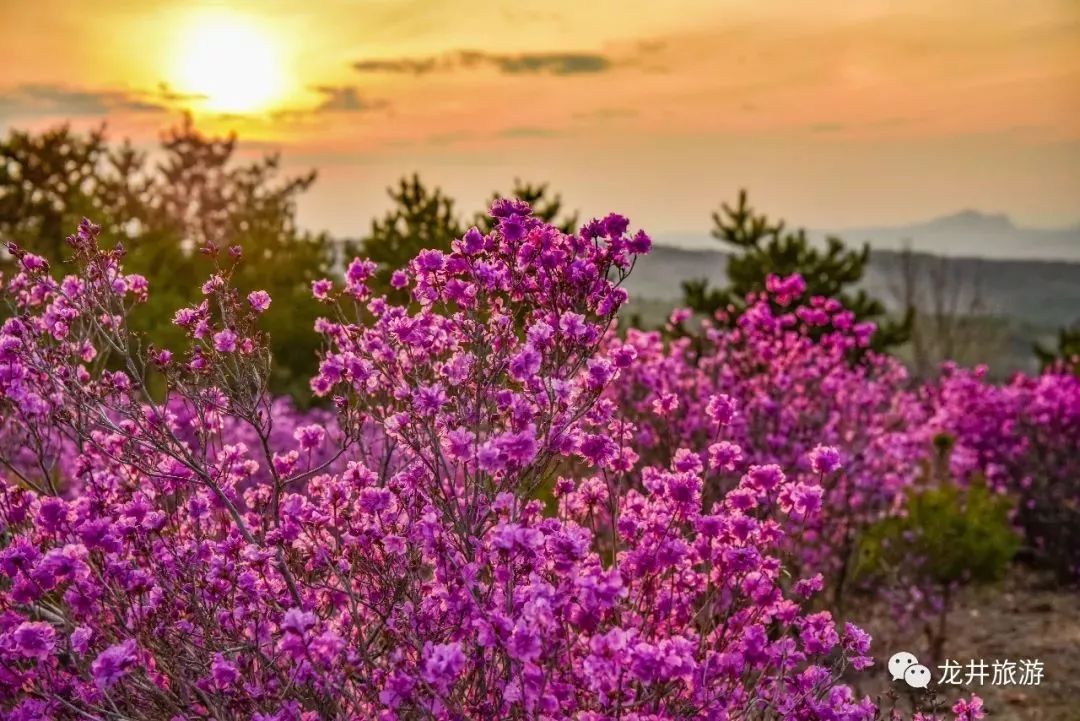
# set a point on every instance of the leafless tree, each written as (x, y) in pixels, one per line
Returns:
(951, 318)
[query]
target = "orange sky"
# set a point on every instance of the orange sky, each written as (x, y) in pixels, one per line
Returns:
(834, 113)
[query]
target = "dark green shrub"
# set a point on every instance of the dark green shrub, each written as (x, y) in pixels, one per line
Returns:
(948, 536)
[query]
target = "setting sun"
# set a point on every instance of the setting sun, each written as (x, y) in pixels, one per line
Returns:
(232, 63)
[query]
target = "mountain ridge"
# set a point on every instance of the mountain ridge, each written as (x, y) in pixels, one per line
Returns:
(1037, 291)
(964, 233)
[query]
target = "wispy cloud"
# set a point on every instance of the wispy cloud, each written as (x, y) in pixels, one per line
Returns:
(452, 138)
(605, 114)
(827, 127)
(48, 99)
(528, 131)
(336, 100)
(550, 63)
(346, 99)
(166, 94)
(404, 66)
(554, 63)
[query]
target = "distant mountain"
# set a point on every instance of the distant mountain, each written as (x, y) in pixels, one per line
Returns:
(1040, 293)
(1025, 300)
(968, 233)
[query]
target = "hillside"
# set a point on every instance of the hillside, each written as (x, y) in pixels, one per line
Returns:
(965, 234)
(1023, 300)
(1037, 292)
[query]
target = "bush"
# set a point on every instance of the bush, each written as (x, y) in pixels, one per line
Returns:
(948, 537)
(173, 219)
(1022, 438)
(391, 565)
(782, 373)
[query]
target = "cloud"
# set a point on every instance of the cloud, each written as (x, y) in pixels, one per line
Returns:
(606, 114)
(529, 131)
(166, 94)
(451, 138)
(404, 66)
(46, 99)
(335, 99)
(345, 99)
(553, 63)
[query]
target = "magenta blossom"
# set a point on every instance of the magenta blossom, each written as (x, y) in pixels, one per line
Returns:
(225, 341)
(259, 300)
(34, 640)
(113, 663)
(824, 459)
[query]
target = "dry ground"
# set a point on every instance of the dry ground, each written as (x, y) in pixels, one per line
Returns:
(1025, 616)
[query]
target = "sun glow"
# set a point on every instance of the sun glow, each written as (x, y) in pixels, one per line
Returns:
(231, 65)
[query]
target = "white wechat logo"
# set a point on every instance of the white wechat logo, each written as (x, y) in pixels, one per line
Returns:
(917, 676)
(900, 662)
(903, 666)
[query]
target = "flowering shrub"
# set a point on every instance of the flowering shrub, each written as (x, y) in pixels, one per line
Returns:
(783, 383)
(390, 565)
(947, 537)
(1023, 438)
(57, 458)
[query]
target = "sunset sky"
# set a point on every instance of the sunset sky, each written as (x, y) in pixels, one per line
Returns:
(833, 113)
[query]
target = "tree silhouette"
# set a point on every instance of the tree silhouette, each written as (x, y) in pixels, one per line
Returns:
(51, 180)
(171, 217)
(420, 218)
(1067, 353)
(763, 247)
(545, 205)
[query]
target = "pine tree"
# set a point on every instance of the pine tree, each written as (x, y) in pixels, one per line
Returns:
(1067, 353)
(420, 218)
(546, 206)
(763, 247)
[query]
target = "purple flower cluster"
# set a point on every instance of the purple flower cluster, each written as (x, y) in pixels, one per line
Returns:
(175, 545)
(779, 390)
(1023, 438)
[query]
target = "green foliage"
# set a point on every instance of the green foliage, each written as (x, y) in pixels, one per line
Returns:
(546, 206)
(946, 537)
(175, 215)
(953, 535)
(50, 181)
(420, 218)
(172, 217)
(762, 247)
(1067, 353)
(423, 218)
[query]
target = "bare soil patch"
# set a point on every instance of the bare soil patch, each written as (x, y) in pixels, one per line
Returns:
(1027, 616)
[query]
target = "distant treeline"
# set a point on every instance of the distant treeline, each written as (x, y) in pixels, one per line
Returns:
(176, 215)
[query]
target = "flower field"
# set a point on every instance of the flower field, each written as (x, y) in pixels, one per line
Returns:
(504, 503)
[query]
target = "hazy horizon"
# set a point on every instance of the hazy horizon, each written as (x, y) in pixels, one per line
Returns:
(965, 234)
